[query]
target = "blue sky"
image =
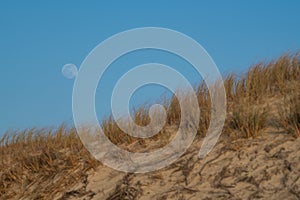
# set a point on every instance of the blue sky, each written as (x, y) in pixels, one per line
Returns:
(38, 37)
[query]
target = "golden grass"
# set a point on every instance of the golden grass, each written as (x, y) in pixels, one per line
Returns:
(247, 121)
(32, 156)
(289, 115)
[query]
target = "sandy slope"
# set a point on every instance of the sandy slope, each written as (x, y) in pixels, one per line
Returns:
(264, 168)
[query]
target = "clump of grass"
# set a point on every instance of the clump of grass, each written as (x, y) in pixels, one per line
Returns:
(173, 111)
(247, 121)
(289, 115)
(203, 96)
(114, 133)
(204, 102)
(264, 80)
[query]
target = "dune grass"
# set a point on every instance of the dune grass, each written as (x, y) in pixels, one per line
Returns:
(289, 115)
(32, 156)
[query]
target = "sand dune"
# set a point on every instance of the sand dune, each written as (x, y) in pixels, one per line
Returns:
(267, 167)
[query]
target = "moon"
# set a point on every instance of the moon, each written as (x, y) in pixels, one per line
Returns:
(69, 71)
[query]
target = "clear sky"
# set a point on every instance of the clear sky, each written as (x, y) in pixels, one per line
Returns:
(37, 38)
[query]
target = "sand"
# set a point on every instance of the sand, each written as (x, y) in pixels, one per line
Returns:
(267, 167)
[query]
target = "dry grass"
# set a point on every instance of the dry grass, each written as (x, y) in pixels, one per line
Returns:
(32, 156)
(289, 115)
(247, 121)
(276, 79)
